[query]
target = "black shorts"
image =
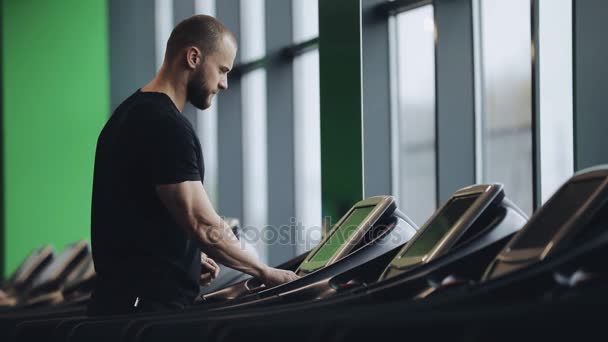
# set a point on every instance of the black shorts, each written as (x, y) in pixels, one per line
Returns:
(114, 304)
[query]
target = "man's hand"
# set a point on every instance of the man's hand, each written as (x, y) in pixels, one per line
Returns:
(274, 277)
(210, 270)
(6, 300)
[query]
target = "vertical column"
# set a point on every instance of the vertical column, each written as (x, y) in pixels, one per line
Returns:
(341, 108)
(183, 9)
(280, 123)
(132, 51)
(590, 88)
(455, 96)
(376, 101)
(230, 126)
(536, 113)
(2, 189)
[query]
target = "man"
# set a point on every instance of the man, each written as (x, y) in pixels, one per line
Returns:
(151, 216)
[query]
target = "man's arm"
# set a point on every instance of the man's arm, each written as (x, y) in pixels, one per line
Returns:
(189, 204)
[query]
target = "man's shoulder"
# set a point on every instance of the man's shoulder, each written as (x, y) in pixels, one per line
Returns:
(149, 105)
(152, 113)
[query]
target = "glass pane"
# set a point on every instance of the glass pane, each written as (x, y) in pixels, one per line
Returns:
(255, 201)
(206, 122)
(205, 7)
(163, 25)
(307, 127)
(305, 20)
(507, 117)
(253, 43)
(556, 103)
(307, 147)
(415, 119)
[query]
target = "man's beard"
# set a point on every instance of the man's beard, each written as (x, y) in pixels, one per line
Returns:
(198, 93)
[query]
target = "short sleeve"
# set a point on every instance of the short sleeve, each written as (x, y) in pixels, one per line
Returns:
(171, 156)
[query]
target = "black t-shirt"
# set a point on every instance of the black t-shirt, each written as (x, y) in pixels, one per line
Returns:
(138, 247)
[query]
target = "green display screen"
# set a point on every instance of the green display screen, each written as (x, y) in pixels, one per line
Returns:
(440, 226)
(341, 234)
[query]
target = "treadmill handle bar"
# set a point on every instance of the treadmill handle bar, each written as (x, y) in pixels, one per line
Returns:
(400, 214)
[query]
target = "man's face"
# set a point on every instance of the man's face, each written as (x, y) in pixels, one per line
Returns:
(211, 74)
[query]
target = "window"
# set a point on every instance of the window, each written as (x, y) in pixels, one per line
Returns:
(255, 181)
(555, 95)
(506, 97)
(414, 117)
(163, 20)
(307, 125)
(206, 124)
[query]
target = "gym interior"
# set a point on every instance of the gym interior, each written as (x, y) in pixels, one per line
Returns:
(430, 168)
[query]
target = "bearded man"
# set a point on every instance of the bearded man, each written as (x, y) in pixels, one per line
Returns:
(151, 216)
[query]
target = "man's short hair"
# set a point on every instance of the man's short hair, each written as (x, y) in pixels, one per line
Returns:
(202, 31)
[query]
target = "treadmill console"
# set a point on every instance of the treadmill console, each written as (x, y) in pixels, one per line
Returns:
(21, 281)
(348, 232)
(31, 267)
(61, 266)
(564, 217)
(451, 225)
(346, 235)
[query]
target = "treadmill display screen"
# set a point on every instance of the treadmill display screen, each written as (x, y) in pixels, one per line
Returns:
(563, 206)
(342, 234)
(440, 226)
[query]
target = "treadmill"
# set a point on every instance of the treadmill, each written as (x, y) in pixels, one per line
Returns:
(80, 283)
(564, 244)
(47, 286)
(466, 233)
(367, 230)
(21, 280)
(484, 226)
(583, 242)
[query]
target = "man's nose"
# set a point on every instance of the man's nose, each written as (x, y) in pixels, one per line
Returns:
(224, 84)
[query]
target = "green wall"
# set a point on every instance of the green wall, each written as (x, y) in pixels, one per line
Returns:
(55, 76)
(341, 110)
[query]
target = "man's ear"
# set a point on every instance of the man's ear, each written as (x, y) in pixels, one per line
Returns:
(193, 57)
